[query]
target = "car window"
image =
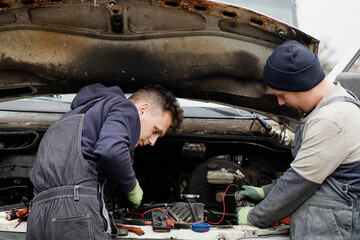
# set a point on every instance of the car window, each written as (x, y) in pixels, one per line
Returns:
(356, 65)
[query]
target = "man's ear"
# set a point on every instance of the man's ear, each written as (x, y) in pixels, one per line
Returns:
(142, 108)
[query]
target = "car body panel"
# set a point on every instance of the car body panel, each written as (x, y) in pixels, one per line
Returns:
(198, 49)
(7, 231)
(40, 113)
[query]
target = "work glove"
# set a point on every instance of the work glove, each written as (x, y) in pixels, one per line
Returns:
(255, 194)
(241, 215)
(136, 195)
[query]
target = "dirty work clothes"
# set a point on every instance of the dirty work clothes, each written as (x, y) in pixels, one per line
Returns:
(111, 130)
(332, 212)
(72, 205)
(293, 189)
(331, 140)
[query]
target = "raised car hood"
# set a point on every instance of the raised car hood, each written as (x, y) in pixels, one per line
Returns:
(198, 49)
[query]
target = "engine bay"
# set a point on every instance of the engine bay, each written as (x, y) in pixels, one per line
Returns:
(188, 178)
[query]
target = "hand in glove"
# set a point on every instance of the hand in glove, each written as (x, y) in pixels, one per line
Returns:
(241, 215)
(255, 194)
(135, 196)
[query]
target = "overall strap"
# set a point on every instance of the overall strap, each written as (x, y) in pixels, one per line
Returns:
(354, 99)
(296, 144)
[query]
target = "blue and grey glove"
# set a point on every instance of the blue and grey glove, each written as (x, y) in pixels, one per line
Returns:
(241, 215)
(136, 195)
(255, 194)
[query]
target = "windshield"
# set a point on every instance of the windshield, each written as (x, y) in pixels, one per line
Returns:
(355, 67)
(283, 10)
(61, 104)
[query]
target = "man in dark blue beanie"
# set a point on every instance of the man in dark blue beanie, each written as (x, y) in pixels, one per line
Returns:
(293, 67)
(321, 189)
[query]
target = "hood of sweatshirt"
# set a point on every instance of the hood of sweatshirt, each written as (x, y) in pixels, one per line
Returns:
(92, 92)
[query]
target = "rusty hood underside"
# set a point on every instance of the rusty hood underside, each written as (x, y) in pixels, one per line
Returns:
(198, 49)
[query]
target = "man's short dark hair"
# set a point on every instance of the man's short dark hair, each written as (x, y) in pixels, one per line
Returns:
(162, 98)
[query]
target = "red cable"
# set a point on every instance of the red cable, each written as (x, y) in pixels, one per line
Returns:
(205, 220)
(223, 206)
(142, 216)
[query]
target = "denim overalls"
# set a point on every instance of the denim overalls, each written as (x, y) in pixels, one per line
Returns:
(333, 211)
(68, 202)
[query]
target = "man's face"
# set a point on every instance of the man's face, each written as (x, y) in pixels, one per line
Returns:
(154, 124)
(296, 100)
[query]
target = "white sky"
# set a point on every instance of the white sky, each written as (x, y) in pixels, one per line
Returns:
(332, 21)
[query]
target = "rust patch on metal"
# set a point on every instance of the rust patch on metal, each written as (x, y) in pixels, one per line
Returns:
(223, 126)
(115, 7)
(239, 14)
(193, 6)
(28, 3)
(4, 6)
(201, 7)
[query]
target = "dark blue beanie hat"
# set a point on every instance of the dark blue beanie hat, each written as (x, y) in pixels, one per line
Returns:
(293, 68)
